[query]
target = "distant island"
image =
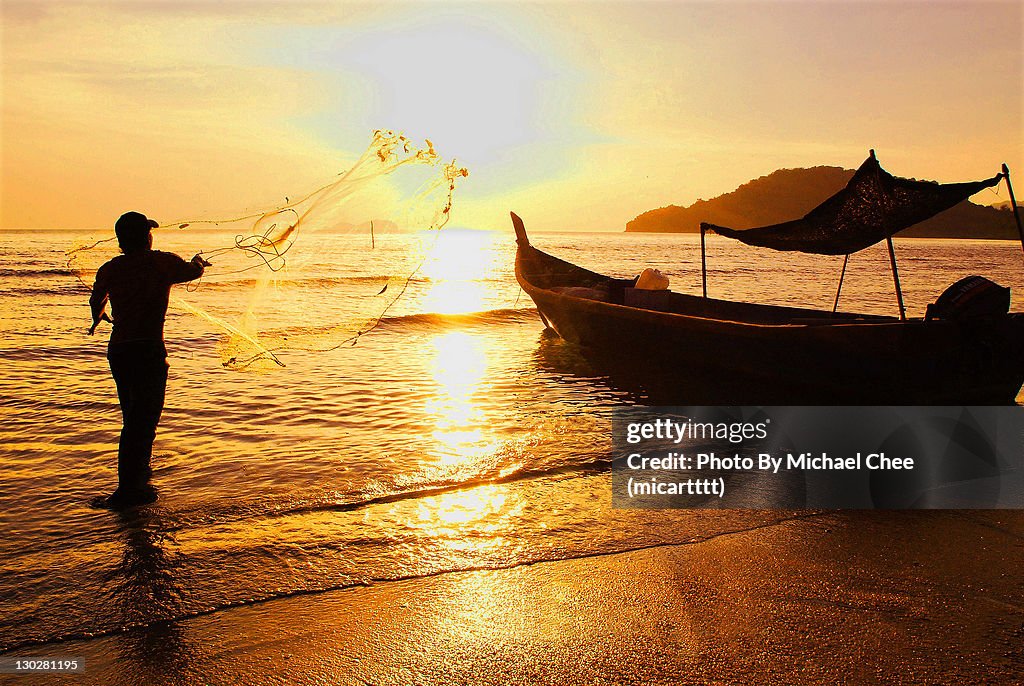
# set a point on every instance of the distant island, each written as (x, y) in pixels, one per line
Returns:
(791, 193)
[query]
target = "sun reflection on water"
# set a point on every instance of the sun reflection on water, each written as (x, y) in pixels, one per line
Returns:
(465, 447)
(460, 265)
(459, 366)
(470, 521)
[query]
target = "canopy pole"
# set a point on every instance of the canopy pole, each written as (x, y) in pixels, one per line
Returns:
(703, 263)
(839, 290)
(1013, 205)
(896, 279)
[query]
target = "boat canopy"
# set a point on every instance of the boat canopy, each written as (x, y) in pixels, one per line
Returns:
(873, 206)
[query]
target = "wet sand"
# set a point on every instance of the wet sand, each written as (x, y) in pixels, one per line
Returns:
(856, 597)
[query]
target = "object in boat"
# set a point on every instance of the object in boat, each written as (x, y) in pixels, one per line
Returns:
(957, 355)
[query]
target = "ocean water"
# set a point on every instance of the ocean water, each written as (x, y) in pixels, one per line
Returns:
(456, 435)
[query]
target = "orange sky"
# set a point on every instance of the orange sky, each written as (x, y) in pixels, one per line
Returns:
(577, 115)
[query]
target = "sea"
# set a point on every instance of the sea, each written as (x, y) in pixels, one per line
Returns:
(457, 434)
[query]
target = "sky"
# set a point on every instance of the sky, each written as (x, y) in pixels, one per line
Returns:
(577, 115)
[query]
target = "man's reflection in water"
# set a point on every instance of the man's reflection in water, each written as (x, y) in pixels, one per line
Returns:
(146, 595)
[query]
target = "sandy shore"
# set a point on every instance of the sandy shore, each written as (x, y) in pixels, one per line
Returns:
(857, 598)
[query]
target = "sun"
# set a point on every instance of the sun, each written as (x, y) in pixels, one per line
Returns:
(467, 85)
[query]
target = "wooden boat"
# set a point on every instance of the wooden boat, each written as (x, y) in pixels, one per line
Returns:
(811, 355)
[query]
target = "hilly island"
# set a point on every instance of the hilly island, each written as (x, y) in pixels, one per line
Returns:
(787, 194)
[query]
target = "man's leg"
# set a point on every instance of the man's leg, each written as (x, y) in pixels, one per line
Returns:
(140, 372)
(149, 394)
(123, 367)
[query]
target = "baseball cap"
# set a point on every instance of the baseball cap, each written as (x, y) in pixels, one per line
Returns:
(134, 221)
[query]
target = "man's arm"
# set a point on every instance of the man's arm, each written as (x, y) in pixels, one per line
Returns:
(187, 271)
(98, 299)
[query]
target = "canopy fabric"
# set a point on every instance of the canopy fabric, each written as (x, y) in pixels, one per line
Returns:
(873, 206)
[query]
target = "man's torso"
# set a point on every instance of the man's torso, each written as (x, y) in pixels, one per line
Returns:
(139, 286)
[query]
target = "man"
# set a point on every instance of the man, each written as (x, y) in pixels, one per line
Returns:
(138, 286)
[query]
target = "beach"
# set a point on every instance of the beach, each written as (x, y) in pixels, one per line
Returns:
(825, 598)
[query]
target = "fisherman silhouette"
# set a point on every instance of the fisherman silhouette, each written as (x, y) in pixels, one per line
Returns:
(137, 285)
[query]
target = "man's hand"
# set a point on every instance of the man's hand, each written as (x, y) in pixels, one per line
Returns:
(103, 317)
(201, 261)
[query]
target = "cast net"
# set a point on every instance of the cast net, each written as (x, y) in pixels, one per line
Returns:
(314, 273)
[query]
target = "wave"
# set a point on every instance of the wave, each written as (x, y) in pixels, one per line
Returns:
(213, 281)
(357, 500)
(36, 272)
(76, 289)
(212, 516)
(438, 320)
(219, 282)
(226, 282)
(50, 352)
(26, 281)
(542, 558)
(171, 521)
(399, 323)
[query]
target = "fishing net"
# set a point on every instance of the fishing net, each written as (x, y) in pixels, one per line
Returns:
(315, 273)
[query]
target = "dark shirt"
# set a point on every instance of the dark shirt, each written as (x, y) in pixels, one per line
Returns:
(139, 285)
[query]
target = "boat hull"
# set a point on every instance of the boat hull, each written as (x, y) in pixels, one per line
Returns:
(806, 355)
